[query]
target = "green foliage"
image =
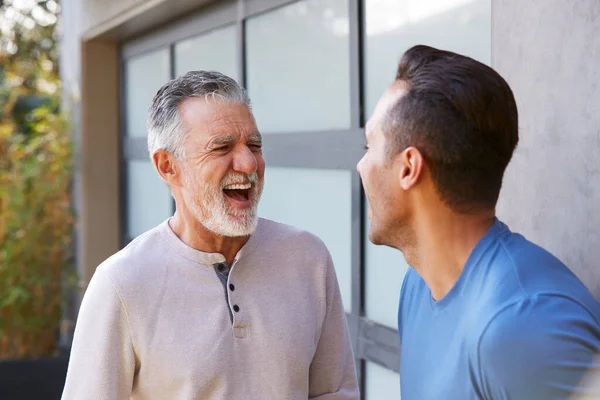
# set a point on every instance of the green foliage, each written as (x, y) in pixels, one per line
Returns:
(36, 224)
(36, 166)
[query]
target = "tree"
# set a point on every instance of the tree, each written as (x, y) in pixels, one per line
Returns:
(35, 181)
(29, 73)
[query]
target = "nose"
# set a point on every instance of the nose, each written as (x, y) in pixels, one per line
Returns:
(359, 165)
(245, 161)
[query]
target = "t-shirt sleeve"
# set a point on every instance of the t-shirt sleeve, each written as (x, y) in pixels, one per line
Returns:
(543, 347)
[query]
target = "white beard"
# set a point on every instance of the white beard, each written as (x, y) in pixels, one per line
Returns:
(211, 210)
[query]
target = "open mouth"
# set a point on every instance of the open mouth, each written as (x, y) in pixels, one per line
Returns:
(238, 192)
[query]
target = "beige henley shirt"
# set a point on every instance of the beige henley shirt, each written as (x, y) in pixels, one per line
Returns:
(157, 322)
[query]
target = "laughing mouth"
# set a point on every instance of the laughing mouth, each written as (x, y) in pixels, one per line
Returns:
(238, 191)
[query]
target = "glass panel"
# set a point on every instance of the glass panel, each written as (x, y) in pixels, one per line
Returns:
(144, 75)
(298, 67)
(212, 51)
(393, 26)
(318, 201)
(148, 199)
(381, 383)
(385, 270)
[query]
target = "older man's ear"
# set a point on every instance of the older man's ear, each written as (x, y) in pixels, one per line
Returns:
(167, 167)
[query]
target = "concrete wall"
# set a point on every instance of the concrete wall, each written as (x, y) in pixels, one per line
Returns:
(549, 52)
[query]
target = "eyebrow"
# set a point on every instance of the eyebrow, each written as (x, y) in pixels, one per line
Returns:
(222, 140)
(255, 137)
(228, 139)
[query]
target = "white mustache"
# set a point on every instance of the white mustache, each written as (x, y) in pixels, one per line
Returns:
(233, 179)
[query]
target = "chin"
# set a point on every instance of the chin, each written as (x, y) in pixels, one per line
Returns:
(232, 226)
(381, 237)
(375, 238)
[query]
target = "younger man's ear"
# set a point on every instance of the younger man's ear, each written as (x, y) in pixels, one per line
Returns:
(411, 167)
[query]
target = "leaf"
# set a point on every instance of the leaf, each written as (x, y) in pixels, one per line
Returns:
(14, 296)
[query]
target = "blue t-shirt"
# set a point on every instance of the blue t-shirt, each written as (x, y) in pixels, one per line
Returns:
(518, 324)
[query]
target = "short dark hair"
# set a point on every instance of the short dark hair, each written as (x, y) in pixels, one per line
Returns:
(462, 116)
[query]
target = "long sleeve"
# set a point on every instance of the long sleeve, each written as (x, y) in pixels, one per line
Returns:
(102, 363)
(332, 374)
(540, 348)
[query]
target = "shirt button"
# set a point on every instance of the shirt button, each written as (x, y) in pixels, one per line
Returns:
(231, 287)
(236, 308)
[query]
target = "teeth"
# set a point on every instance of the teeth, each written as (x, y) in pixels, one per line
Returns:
(238, 186)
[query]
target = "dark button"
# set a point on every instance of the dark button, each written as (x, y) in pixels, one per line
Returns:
(220, 267)
(231, 287)
(236, 308)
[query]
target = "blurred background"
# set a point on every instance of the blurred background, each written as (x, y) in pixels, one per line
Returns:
(77, 79)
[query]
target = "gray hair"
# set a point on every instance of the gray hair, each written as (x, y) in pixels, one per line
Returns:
(165, 129)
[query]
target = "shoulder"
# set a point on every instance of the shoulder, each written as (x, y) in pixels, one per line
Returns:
(295, 253)
(537, 343)
(291, 239)
(133, 265)
(527, 256)
(520, 269)
(536, 316)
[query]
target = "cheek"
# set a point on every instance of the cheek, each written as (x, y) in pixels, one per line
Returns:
(369, 172)
(261, 166)
(215, 171)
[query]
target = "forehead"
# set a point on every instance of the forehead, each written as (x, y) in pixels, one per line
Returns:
(389, 98)
(208, 118)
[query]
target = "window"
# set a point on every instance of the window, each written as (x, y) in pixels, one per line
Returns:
(212, 51)
(144, 75)
(147, 199)
(298, 67)
(381, 383)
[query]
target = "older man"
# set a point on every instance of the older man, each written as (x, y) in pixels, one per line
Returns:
(213, 303)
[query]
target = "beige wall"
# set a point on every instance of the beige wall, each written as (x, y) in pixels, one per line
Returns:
(99, 155)
(549, 51)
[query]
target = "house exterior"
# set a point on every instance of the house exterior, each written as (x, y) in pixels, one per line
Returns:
(314, 70)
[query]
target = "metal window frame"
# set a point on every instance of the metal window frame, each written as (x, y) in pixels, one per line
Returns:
(211, 17)
(338, 149)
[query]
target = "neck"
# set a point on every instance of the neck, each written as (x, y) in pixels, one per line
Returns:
(194, 234)
(442, 244)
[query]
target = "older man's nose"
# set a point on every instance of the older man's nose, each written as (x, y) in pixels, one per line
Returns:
(245, 161)
(359, 166)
